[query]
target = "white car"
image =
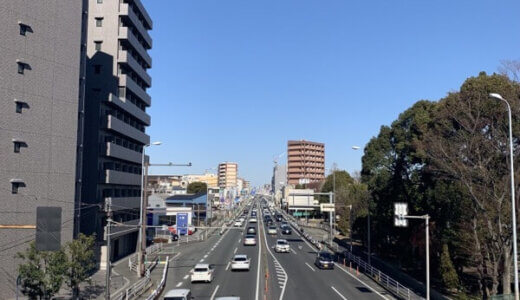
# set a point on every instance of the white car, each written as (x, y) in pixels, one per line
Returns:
(240, 262)
(253, 220)
(282, 246)
(249, 240)
(228, 298)
(178, 294)
(238, 223)
(242, 219)
(271, 230)
(202, 272)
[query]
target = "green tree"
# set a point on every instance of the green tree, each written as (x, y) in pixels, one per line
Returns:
(41, 272)
(81, 261)
(197, 187)
(449, 277)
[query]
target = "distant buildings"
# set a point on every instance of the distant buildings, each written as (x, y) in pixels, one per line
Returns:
(211, 180)
(227, 175)
(305, 161)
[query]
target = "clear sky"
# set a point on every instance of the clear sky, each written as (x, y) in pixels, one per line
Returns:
(233, 80)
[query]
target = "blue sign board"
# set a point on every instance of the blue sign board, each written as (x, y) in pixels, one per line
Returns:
(182, 223)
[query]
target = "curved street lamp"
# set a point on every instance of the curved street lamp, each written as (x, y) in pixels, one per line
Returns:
(513, 206)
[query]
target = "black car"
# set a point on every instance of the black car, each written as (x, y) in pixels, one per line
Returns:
(325, 260)
(279, 218)
(269, 222)
(175, 237)
(285, 229)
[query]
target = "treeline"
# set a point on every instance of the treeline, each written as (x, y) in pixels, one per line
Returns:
(448, 159)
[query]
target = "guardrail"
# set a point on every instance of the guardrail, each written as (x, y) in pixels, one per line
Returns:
(161, 284)
(132, 260)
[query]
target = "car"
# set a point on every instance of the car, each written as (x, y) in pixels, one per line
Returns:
(282, 246)
(253, 220)
(175, 237)
(191, 230)
(285, 229)
(271, 230)
(240, 262)
(178, 294)
(249, 240)
(202, 272)
(278, 218)
(242, 219)
(237, 223)
(228, 298)
(269, 222)
(324, 260)
(251, 230)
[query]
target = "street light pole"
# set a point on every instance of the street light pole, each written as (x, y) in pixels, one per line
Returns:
(369, 254)
(513, 202)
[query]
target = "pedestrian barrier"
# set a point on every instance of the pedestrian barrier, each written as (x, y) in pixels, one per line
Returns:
(155, 294)
(132, 260)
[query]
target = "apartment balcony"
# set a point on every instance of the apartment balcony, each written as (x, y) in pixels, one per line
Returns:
(120, 152)
(125, 34)
(117, 125)
(125, 80)
(124, 57)
(124, 178)
(126, 11)
(122, 203)
(146, 17)
(130, 108)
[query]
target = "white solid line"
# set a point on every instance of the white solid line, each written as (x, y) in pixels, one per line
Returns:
(310, 267)
(342, 297)
(186, 277)
(214, 292)
(235, 251)
(369, 287)
(228, 264)
(179, 284)
(276, 262)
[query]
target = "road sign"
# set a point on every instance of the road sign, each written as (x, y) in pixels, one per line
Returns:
(327, 207)
(400, 212)
(182, 223)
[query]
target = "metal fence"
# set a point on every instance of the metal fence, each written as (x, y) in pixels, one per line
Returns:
(132, 260)
(160, 287)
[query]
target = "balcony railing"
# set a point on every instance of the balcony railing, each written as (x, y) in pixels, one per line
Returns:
(130, 108)
(126, 58)
(125, 80)
(114, 150)
(123, 178)
(126, 10)
(125, 34)
(117, 125)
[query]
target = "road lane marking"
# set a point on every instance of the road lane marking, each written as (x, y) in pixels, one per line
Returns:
(239, 240)
(293, 251)
(202, 260)
(369, 287)
(214, 292)
(228, 264)
(310, 267)
(339, 294)
(235, 251)
(276, 263)
(179, 284)
(206, 256)
(186, 277)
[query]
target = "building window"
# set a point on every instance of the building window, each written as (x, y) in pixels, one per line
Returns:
(23, 29)
(17, 147)
(97, 69)
(99, 1)
(122, 92)
(20, 105)
(15, 185)
(98, 45)
(99, 22)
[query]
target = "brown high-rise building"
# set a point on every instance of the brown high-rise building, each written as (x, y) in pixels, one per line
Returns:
(227, 175)
(305, 160)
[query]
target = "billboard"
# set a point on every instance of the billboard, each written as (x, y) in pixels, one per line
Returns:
(300, 198)
(182, 223)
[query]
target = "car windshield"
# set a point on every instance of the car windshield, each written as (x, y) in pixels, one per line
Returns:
(282, 243)
(272, 227)
(250, 236)
(174, 298)
(325, 256)
(240, 259)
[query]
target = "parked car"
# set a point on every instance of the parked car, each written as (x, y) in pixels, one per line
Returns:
(178, 294)
(282, 246)
(240, 262)
(202, 272)
(324, 260)
(249, 240)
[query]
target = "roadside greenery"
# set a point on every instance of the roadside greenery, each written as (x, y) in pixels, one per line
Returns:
(197, 187)
(43, 273)
(448, 159)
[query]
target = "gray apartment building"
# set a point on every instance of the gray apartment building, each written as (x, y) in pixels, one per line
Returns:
(40, 93)
(115, 120)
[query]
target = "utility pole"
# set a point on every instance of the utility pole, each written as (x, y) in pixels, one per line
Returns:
(109, 248)
(331, 195)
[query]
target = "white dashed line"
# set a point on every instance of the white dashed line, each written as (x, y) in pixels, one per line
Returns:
(214, 292)
(293, 251)
(235, 251)
(202, 260)
(185, 277)
(179, 284)
(310, 267)
(228, 264)
(342, 297)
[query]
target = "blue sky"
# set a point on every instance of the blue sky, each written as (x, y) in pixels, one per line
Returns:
(233, 80)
